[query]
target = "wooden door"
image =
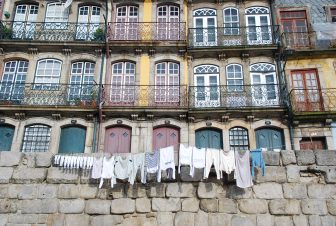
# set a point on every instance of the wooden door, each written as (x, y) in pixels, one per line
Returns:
(165, 137)
(118, 140)
(6, 137)
(72, 140)
(270, 139)
(209, 139)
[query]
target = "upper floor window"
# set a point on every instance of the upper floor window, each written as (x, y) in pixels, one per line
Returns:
(24, 13)
(205, 31)
(168, 17)
(48, 73)
(88, 23)
(333, 14)
(167, 81)
(231, 21)
(234, 77)
(82, 80)
(127, 14)
(126, 27)
(238, 139)
(258, 26)
(56, 16)
(36, 138)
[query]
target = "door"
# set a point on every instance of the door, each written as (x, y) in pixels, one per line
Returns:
(167, 83)
(264, 89)
(207, 90)
(209, 138)
(206, 32)
(168, 18)
(6, 137)
(270, 138)
(165, 137)
(258, 29)
(88, 22)
(126, 27)
(72, 140)
(24, 21)
(118, 140)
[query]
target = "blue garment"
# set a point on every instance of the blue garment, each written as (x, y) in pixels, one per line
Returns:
(257, 161)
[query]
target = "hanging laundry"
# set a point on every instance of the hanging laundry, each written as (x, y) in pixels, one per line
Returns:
(243, 172)
(185, 157)
(107, 170)
(198, 160)
(97, 167)
(167, 162)
(212, 157)
(257, 161)
(227, 161)
(138, 164)
(123, 167)
(152, 162)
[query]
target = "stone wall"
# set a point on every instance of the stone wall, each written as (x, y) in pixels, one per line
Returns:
(298, 189)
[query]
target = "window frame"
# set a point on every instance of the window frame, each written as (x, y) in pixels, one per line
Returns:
(237, 88)
(245, 139)
(42, 139)
(231, 28)
(47, 85)
(85, 87)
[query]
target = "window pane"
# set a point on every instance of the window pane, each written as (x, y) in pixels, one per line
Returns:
(36, 138)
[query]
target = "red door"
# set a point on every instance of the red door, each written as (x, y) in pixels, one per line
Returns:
(166, 136)
(118, 140)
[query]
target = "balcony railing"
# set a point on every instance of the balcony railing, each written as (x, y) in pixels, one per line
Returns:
(146, 31)
(50, 31)
(48, 94)
(234, 36)
(313, 100)
(235, 96)
(305, 40)
(145, 96)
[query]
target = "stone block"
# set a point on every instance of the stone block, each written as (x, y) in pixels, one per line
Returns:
(7, 206)
(321, 191)
(184, 218)
(122, 206)
(165, 218)
(170, 205)
(209, 205)
(306, 157)
(77, 220)
(180, 190)
(136, 191)
(143, 205)
(235, 192)
(47, 191)
(294, 191)
(272, 174)
(156, 190)
(265, 220)
(28, 159)
(253, 206)
(28, 218)
(283, 221)
(288, 157)
(185, 174)
(201, 219)
(284, 207)
(10, 158)
(5, 174)
(4, 191)
(106, 220)
(88, 192)
(238, 220)
(293, 173)
(219, 219)
(68, 191)
(268, 191)
(24, 175)
(139, 221)
(325, 158)
(331, 204)
(271, 158)
(62, 176)
(3, 219)
(43, 159)
(20, 191)
(314, 206)
(97, 206)
(227, 206)
(118, 191)
(328, 221)
(330, 175)
(209, 190)
(72, 206)
(315, 220)
(190, 205)
(39, 206)
(300, 220)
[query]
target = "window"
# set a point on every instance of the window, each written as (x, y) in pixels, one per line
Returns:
(68, 135)
(122, 83)
(48, 74)
(258, 28)
(313, 143)
(126, 23)
(88, 22)
(231, 21)
(234, 77)
(24, 21)
(36, 138)
(167, 81)
(238, 139)
(81, 81)
(13, 80)
(168, 22)
(333, 14)
(205, 27)
(56, 16)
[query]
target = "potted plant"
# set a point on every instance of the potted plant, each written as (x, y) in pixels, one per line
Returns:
(99, 35)
(6, 33)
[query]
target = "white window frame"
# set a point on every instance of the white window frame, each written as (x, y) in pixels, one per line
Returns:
(46, 80)
(263, 33)
(36, 138)
(82, 80)
(86, 29)
(57, 16)
(205, 14)
(167, 81)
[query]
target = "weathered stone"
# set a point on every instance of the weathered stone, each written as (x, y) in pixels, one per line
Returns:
(68, 191)
(7, 206)
(190, 205)
(10, 158)
(28, 218)
(295, 191)
(314, 206)
(72, 206)
(184, 218)
(284, 207)
(288, 157)
(97, 206)
(142, 205)
(315, 220)
(5, 174)
(39, 206)
(325, 158)
(330, 175)
(209, 190)
(122, 206)
(180, 190)
(88, 192)
(118, 191)
(136, 191)
(283, 221)
(253, 206)
(272, 174)
(3, 219)
(331, 204)
(77, 220)
(106, 220)
(43, 159)
(219, 219)
(47, 191)
(165, 218)
(157, 191)
(321, 191)
(61, 176)
(227, 206)
(293, 173)
(265, 220)
(268, 191)
(300, 220)
(239, 193)
(56, 219)
(209, 205)
(4, 191)
(29, 175)
(139, 221)
(306, 157)
(201, 218)
(20, 191)
(271, 158)
(185, 174)
(171, 204)
(328, 221)
(242, 220)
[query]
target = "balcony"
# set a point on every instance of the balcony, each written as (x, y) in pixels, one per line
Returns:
(234, 37)
(305, 40)
(139, 96)
(46, 94)
(147, 32)
(235, 96)
(52, 32)
(313, 100)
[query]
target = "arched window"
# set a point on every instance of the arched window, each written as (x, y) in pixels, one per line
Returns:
(13, 80)
(127, 23)
(122, 82)
(118, 140)
(88, 23)
(6, 137)
(25, 13)
(231, 21)
(82, 80)
(36, 138)
(238, 137)
(168, 18)
(258, 23)
(56, 16)
(70, 134)
(234, 77)
(167, 80)
(205, 27)
(48, 74)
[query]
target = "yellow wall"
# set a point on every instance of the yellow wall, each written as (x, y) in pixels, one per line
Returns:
(147, 11)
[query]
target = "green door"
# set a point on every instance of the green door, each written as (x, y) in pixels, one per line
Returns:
(72, 140)
(270, 139)
(6, 137)
(209, 138)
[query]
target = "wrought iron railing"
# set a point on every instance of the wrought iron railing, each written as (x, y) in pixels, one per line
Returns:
(51, 31)
(234, 36)
(305, 40)
(47, 94)
(313, 100)
(145, 96)
(146, 31)
(235, 96)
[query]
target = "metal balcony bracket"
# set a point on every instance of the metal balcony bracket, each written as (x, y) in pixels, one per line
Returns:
(138, 51)
(89, 117)
(20, 116)
(245, 57)
(98, 52)
(182, 117)
(151, 52)
(134, 117)
(222, 57)
(56, 116)
(150, 117)
(33, 51)
(66, 51)
(250, 118)
(225, 118)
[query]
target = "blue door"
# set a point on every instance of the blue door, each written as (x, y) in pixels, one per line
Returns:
(6, 137)
(209, 138)
(270, 138)
(72, 140)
